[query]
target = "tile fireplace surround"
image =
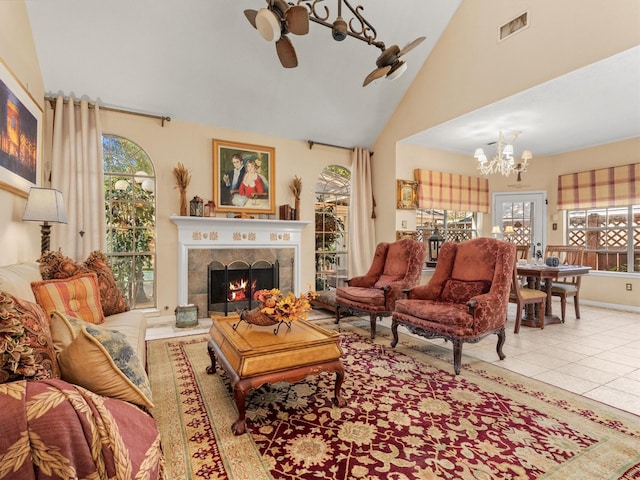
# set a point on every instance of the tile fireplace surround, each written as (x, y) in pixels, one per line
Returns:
(203, 239)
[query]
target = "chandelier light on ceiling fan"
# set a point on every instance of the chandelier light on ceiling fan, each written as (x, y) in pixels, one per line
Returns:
(503, 162)
(280, 18)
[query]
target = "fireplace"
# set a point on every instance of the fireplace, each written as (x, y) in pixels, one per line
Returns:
(232, 286)
(205, 240)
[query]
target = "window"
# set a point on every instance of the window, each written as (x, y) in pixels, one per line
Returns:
(610, 236)
(130, 207)
(331, 224)
(454, 226)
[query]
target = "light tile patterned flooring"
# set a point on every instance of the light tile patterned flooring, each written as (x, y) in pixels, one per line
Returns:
(597, 356)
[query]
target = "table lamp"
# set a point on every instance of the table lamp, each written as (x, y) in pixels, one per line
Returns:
(45, 205)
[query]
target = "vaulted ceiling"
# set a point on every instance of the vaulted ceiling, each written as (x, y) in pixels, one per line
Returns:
(201, 61)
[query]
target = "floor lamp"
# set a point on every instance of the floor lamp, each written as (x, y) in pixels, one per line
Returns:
(45, 205)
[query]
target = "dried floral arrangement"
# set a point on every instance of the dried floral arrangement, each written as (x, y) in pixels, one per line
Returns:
(296, 189)
(183, 178)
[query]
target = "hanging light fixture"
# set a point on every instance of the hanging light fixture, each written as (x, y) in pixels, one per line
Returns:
(503, 162)
(281, 17)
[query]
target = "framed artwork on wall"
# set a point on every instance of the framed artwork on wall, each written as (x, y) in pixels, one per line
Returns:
(411, 234)
(20, 135)
(407, 195)
(244, 177)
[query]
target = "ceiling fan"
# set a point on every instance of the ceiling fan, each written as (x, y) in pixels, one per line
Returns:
(275, 22)
(389, 62)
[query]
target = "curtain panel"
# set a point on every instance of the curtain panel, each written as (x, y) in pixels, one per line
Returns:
(605, 187)
(450, 191)
(362, 234)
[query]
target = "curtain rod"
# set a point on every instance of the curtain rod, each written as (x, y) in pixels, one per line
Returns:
(162, 118)
(312, 143)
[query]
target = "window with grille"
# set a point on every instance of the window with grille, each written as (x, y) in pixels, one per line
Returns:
(130, 208)
(610, 236)
(454, 226)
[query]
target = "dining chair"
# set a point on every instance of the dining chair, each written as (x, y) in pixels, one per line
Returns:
(522, 296)
(522, 252)
(568, 286)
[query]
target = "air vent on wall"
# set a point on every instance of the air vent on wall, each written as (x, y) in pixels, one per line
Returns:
(513, 26)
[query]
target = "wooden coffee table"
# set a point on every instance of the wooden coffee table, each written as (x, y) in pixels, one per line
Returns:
(253, 356)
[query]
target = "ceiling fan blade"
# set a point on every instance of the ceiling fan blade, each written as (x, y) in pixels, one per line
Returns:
(411, 45)
(251, 16)
(286, 52)
(377, 73)
(296, 19)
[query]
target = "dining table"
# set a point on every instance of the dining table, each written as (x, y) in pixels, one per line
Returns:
(541, 277)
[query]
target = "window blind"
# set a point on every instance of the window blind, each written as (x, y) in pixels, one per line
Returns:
(604, 187)
(450, 191)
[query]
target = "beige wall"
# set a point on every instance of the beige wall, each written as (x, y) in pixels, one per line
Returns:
(461, 75)
(20, 241)
(466, 71)
(191, 144)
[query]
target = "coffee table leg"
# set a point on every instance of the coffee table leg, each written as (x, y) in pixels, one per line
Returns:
(337, 398)
(212, 369)
(240, 394)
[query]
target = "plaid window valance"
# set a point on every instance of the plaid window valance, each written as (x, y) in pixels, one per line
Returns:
(450, 191)
(604, 187)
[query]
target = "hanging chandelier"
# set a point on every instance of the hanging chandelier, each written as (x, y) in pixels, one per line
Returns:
(503, 163)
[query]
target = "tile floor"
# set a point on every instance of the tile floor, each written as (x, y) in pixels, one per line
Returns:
(597, 356)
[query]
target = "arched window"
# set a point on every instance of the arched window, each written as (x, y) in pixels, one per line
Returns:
(130, 210)
(332, 210)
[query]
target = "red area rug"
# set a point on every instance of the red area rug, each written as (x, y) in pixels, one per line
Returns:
(407, 417)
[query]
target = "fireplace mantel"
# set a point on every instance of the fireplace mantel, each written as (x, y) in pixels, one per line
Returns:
(219, 233)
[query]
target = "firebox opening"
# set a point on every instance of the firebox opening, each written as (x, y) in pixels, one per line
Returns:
(231, 286)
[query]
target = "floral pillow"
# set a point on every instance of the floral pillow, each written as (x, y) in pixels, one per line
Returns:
(26, 347)
(101, 360)
(55, 265)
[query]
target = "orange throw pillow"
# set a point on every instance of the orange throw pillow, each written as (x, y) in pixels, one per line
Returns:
(78, 296)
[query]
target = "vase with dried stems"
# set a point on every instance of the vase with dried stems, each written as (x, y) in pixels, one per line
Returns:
(183, 177)
(296, 189)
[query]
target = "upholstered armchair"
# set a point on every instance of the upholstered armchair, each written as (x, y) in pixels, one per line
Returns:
(396, 267)
(466, 298)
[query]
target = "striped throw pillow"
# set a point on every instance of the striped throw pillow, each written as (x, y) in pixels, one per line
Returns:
(77, 296)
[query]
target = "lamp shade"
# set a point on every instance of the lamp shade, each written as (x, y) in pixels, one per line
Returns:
(45, 205)
(495, 229)
(508, 230)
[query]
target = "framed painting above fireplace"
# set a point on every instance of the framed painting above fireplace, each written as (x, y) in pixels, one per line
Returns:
(243, 177)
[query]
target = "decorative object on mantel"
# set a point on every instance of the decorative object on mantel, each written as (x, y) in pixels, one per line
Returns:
(296, 189)
(287, 213)
(277, 308)
(196, 207)
(503, 162)
(183, 177)
(210, 209)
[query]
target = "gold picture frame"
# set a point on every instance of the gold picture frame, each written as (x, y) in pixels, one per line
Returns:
(407, 194)
(20, 135)
(253, 196)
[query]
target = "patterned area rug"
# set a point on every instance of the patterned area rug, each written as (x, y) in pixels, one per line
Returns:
(407, 417)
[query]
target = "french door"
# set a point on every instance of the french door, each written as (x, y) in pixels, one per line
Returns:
(526, 213)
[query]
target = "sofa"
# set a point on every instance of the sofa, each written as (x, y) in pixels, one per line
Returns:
(78, 406)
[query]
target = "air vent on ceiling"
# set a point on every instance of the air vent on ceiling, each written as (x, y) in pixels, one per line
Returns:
(513, 26)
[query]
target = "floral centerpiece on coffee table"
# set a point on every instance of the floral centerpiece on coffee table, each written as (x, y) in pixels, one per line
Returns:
(277, 308)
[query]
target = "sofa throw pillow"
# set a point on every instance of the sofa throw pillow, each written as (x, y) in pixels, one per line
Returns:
(55, 265)
(26, 346)
(101, 360)
(77, 296)
(111, 298)
(461, 291)
(64, 329)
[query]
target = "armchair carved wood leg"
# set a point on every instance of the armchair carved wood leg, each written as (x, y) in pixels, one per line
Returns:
(337, 314)
(457, 355)
(394, 331)
(501, 339)
(372, 320)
